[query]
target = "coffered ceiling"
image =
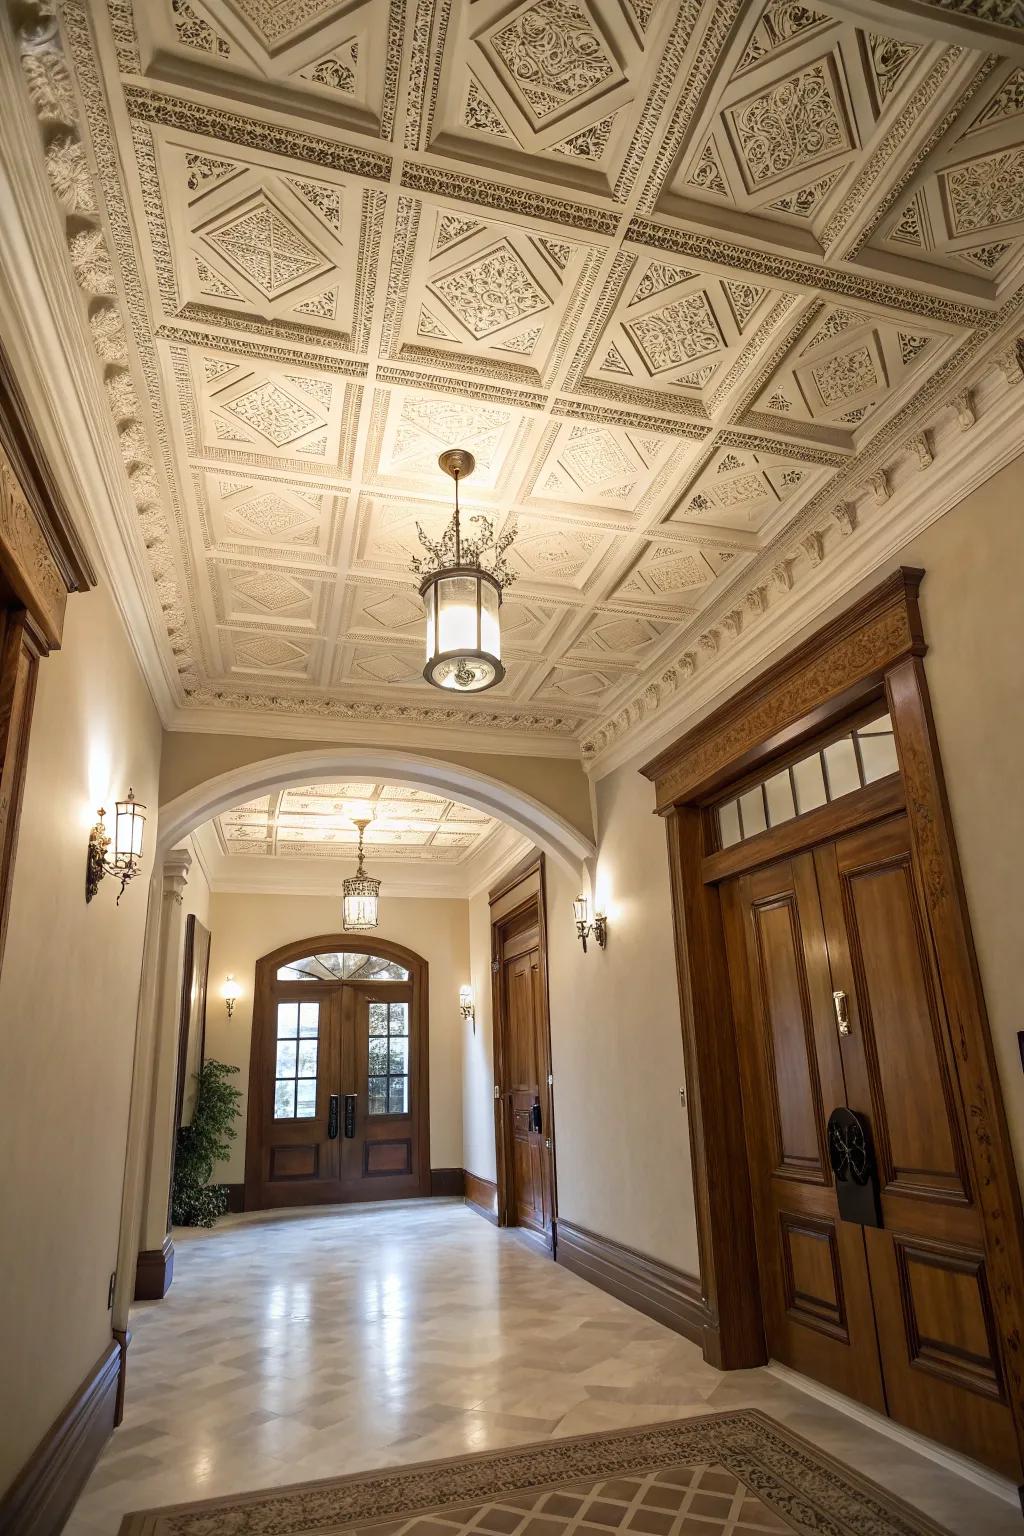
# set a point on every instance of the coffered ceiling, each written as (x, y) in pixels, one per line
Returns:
(316, 822)
(686, 278)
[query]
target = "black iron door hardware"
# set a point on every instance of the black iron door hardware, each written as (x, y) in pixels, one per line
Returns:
(535, 1121)
(853, 1165)
(332, 1118)
(350, 1116)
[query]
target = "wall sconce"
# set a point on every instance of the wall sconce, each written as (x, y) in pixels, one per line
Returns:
(125, 862)
(584, 928)
(466, 1005)
(230, 992)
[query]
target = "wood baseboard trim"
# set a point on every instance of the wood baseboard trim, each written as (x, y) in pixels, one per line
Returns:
(43, 1494)
(448, 1182)
(668, 1295)
(154, 1271)
(482, 1195)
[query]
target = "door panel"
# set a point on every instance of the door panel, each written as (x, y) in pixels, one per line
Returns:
(523, 1066)
(814, 1278)
(927, 1263)
(380, 1157)
(300, 1047)
(881, 956)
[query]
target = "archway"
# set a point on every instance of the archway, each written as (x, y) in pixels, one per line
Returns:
(543, 826)
(151, 1130)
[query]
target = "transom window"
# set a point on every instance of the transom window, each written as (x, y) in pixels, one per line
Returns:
(854, 761)
(298, 1041)
(342, 966)
(389, 1059)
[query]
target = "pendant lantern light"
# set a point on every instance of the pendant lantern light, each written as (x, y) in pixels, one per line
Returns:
(360, 892)
(461, 596)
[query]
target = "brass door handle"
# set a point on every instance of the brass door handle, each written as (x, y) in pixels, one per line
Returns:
(842, 1007)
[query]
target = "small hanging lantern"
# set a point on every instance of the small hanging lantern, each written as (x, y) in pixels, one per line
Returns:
(360, 892)
(461, 597)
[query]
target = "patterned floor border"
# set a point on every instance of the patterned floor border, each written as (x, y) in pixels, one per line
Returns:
(804, 1487)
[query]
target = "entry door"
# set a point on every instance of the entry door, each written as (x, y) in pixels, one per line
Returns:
(380, 1157)
(839, 1004)
(340, 1111)
(527, 1093)
(297, 1152)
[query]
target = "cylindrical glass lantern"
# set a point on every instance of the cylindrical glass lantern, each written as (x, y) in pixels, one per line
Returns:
(359, 903)
(129, 825)
(463, 630)
(360, 892)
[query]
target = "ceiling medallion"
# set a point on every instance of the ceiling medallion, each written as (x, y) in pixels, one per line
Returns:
(461, 597)
(360, 893)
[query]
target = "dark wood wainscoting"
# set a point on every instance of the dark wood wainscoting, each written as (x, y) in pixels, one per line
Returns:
(669, 1295)
(448, 1183)
(482, 1195)
(154, 1269)
(42, 1496)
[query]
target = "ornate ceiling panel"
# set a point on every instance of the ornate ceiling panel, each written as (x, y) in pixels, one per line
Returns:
(682, 277)
(316, 822)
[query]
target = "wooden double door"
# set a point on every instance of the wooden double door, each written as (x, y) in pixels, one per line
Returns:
(839, 1005)
(526, 1079)
(337, 1094)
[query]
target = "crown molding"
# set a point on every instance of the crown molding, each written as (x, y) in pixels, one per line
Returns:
(41, 322)
(918, 486)
(407, 734)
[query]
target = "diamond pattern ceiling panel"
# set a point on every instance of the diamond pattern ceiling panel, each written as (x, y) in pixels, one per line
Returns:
(316, 821)
(678, 275)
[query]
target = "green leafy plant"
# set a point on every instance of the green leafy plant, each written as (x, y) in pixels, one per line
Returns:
(195, 1202)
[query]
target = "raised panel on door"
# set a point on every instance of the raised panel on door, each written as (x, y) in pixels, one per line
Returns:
(299, 1053)
(927, 1262)
(813, 1269)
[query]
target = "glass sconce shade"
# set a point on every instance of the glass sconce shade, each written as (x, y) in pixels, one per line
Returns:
(463, 630)
(129, 826)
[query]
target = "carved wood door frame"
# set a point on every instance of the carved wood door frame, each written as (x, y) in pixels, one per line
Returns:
(872, 653)
(41, 561)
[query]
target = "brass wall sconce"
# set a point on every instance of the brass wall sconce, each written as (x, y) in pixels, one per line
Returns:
(466, 1005)
(230, 992)
(125, 862)
(584, 927)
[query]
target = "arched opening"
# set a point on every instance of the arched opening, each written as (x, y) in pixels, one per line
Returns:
(542, 825)
(338, 1074)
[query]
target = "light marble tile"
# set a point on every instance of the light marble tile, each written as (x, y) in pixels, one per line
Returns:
(312, 1344)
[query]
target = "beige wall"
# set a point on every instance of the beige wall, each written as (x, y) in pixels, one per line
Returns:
(246, 927)
(478, 1057)
(190, 758)
(68, 998)
(972, 607)
(620, 1131)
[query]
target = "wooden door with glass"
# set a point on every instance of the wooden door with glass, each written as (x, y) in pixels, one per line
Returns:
(869, 1236)
(338, 1107)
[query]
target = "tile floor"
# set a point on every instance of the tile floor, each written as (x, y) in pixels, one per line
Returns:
(304, 1345)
